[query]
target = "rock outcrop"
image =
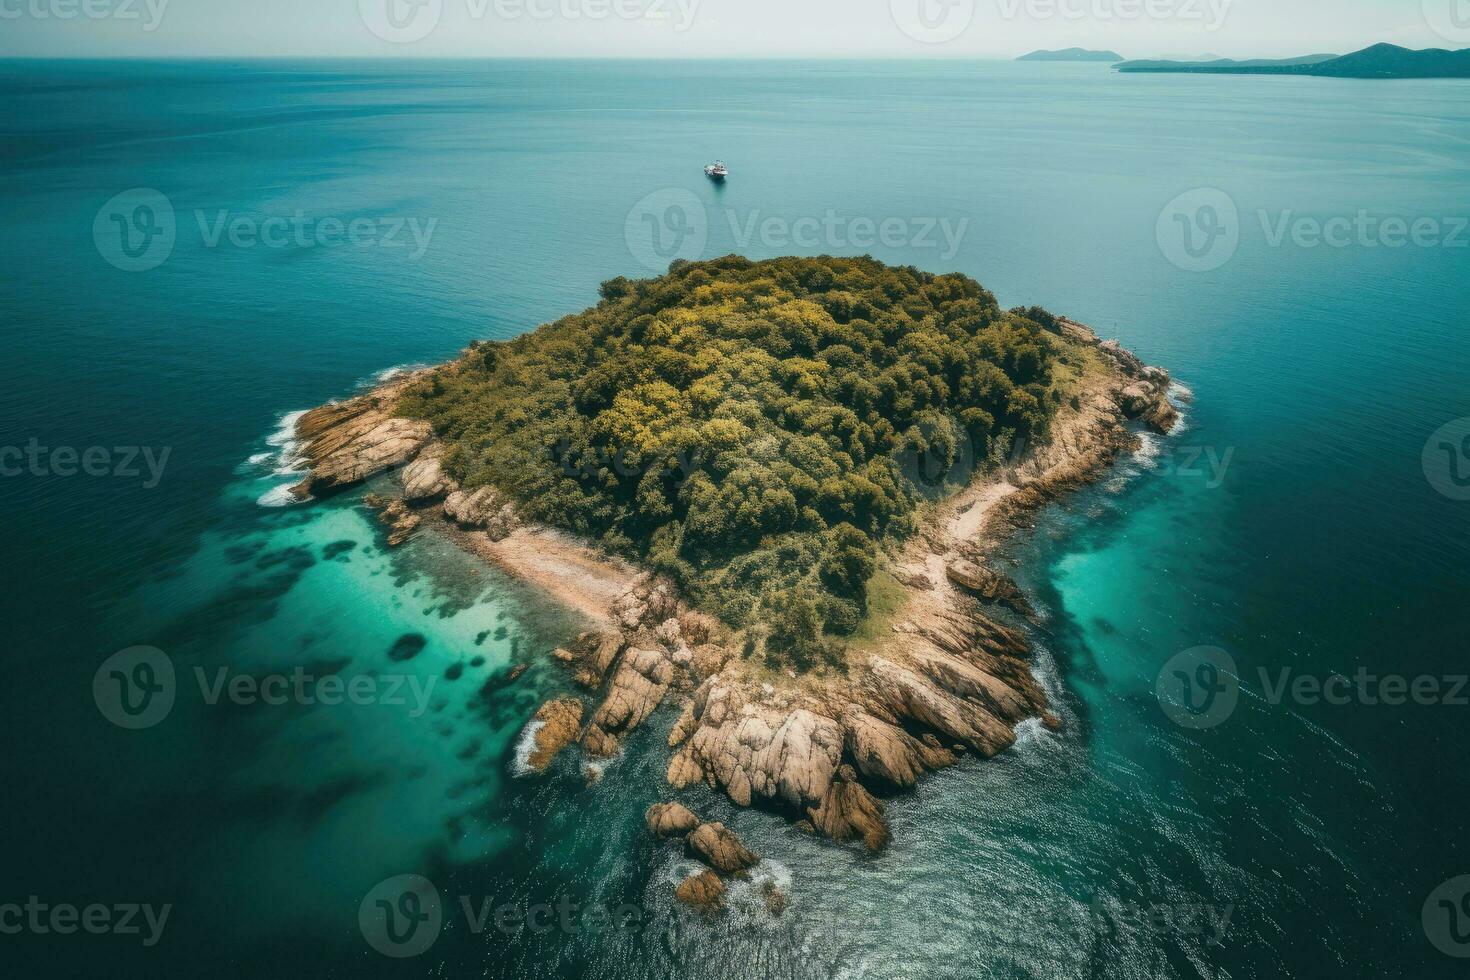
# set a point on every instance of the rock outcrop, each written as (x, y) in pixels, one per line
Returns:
(559, 721)
(642, 679)
(850, 812)
(1145, 395)
(670, 820)
(755, 750)
(401, 521)
(481, 509)
(887, 753)
(425, 478)
(345, 443)
(719, 848)
(704, 891)
(988, 585)
(944, 678)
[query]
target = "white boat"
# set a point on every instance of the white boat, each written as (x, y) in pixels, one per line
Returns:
(717, 171)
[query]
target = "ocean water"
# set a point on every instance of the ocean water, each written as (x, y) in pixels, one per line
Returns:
(1290, 521)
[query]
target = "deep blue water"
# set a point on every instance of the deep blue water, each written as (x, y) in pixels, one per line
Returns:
(1289, 521)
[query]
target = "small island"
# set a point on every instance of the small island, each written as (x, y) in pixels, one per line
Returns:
(774, 491)
(1073, 54)
(1381, 61)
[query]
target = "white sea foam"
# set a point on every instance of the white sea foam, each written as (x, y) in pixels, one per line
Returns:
(388, 374)
(1180, 396)
(744, 897)
(286, 460)
(1150, 445)
(285, 433)
(520, 764)
(280, 496)
(1028, 732)
(747, 898)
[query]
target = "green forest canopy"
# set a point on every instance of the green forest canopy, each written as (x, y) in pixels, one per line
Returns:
(756, 430)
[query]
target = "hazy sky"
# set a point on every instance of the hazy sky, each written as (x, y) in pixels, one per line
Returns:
(719, 28)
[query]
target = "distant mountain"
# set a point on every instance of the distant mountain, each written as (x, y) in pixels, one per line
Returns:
(1219, 64)
(1073, 54)
(1379, 61)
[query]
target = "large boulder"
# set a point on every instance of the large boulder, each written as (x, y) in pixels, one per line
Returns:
(719, 848)
(595, 652)
(1148, 401)
(850, 812)
(757, 750)
(472, 509)
(558, 723)
(343, 450)
(887, 752)
(670, 820)
(401, 521)
(424, 478)
(900, 693)
(638, 687)
(704, 891)
(988, 585)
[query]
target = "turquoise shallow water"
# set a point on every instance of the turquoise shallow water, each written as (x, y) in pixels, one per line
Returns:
(1288, 522)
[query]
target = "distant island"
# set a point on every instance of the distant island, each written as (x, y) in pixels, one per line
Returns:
(774, 492)
(1073, 54)
(1379, 61)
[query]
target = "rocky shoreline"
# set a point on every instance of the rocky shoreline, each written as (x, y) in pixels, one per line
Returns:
(948, 679)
